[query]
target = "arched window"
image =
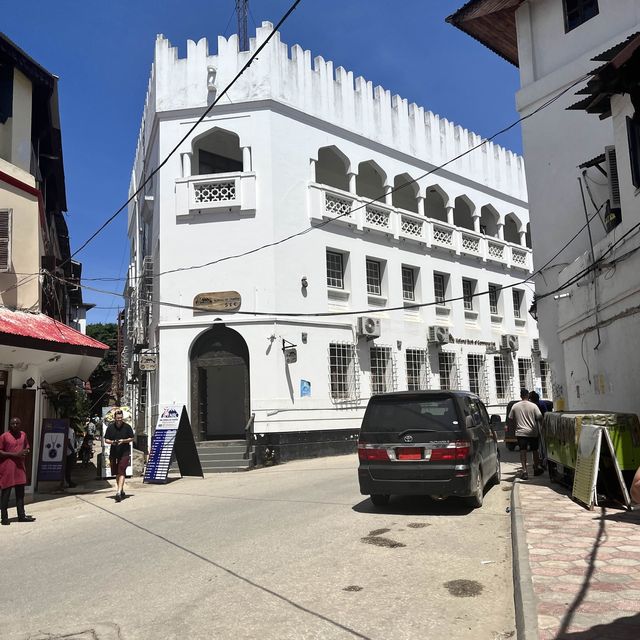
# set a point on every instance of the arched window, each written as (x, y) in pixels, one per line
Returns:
(217, 152)
(434, 203)
(512, 227)
(462, 211)
(489, 221)
(405, 193)
(332, 167)
(370, 181)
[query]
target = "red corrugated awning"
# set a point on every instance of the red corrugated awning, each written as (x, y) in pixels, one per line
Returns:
(39, 331)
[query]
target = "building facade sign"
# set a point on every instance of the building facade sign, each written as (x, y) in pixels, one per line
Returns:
(218, 301)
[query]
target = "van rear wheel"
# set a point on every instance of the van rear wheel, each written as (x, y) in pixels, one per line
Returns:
(380, 499)
(475, 501)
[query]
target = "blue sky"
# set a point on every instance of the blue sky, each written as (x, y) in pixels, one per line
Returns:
(102, 52)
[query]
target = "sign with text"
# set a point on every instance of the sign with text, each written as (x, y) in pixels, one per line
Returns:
(173, 433)
(217, 301)
(148, 361)
(53, 446)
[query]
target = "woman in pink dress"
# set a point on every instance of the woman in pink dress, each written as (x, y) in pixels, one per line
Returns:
(14, 448)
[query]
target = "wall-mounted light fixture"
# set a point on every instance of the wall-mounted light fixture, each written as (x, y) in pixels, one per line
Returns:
(304, 282)
(29, 382)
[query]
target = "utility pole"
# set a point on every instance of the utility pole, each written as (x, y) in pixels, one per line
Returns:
(242, 12)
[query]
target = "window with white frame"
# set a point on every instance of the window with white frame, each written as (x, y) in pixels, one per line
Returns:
(335, 270)
(525, 373)
(477, 377)
(383, 377)
(5, 239)
(417, 369)
(343, 372)
(447, 370)
(544, 378)
(408, 284)
(494, 299)
(517, 303)
(468, 289)
(374, 277)
(504, 377)
(440, 288)
(577, 12)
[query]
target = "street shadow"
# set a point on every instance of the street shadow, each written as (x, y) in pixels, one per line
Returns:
(627, 628)
(629, 517)
(584, 587)
(416, 506)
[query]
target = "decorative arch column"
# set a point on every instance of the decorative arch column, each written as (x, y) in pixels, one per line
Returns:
(523, 237)
(246, 159)
(388, 196)
(351, 177)
(449, 210)
(420, 201)
(475, 216)
(186, 163)
(500, 227)
(312, 169)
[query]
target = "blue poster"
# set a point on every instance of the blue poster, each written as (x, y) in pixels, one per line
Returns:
(53, 447)
(305, 389)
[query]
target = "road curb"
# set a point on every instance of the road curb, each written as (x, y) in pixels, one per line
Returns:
(524, 597)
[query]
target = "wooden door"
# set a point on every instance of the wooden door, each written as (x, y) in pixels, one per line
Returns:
(22, 404)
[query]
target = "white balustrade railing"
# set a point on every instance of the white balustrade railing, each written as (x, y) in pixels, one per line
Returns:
(220, 191)
(361, 214)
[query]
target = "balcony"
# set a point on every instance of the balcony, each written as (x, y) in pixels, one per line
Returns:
(223, 192)
(363, 216)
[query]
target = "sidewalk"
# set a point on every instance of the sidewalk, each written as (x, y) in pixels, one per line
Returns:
(584, 565)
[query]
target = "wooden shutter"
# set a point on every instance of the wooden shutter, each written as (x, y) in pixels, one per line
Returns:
(5, 239)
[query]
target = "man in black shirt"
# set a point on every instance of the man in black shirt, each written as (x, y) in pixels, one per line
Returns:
(119, 435)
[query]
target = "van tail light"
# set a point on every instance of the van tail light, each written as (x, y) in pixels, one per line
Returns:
(370, 452)
(458, 450)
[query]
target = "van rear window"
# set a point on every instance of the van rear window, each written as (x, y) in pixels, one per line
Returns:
(400, 414)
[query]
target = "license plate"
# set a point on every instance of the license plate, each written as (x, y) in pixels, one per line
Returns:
(409, 453)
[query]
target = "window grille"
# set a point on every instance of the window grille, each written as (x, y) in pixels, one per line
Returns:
(374, 285)
(344, 382)
(503, 369)
(439, 288)
(525, 373)
(467, 294)
(417, 369)
(383, 378)
(448, 370)
(408, 284)
(544, 378)
(577, 12)
(335, 270)
(493, 298)
(517, 302)
(477, 375)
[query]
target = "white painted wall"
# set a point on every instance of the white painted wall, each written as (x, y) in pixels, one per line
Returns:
(285, 111)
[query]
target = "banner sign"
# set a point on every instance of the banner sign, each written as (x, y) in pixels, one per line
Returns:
(218, 301)
(173, 431)
(53, 447)
(148, 361)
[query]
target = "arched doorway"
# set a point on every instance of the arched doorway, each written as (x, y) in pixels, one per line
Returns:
(220, 397)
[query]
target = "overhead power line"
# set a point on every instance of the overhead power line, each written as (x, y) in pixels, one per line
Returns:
(206, 112)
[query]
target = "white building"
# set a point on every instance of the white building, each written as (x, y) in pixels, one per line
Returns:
(298, 145)
(590, 327)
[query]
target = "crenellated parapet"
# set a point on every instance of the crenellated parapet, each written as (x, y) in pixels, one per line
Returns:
(312, 86)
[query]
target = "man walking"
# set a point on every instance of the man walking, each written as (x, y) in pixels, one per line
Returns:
(527, 416)
(14, 448)
(72, 457)
(119, 435)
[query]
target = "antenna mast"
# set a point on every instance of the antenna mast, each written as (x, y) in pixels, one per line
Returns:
(242, 12)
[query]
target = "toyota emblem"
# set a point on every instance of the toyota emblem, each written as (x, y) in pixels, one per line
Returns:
(408, 438)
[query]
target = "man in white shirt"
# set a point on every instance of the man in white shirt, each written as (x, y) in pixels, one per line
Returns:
(527, 418)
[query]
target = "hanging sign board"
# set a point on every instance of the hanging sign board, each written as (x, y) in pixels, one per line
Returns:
(217, 301)
(173, 432)
(148, 361)
(53, 447)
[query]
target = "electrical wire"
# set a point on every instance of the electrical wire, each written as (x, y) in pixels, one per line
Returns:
(327, 314)
(206, 112)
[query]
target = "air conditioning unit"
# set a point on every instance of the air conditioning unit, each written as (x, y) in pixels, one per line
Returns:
(509, 342)
(535, 345)
(612, 173)
(369, 327)
(439, 335)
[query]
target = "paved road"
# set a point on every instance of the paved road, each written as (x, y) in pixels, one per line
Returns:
(292, 551)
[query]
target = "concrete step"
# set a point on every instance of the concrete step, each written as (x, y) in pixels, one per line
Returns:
(217, 444)
(215, 464)
(222, 455)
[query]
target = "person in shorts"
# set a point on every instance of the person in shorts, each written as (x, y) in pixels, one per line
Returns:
(119, 435)
(527, 417)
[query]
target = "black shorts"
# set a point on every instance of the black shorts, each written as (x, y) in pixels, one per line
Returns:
(527, 443)
(119, 465)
